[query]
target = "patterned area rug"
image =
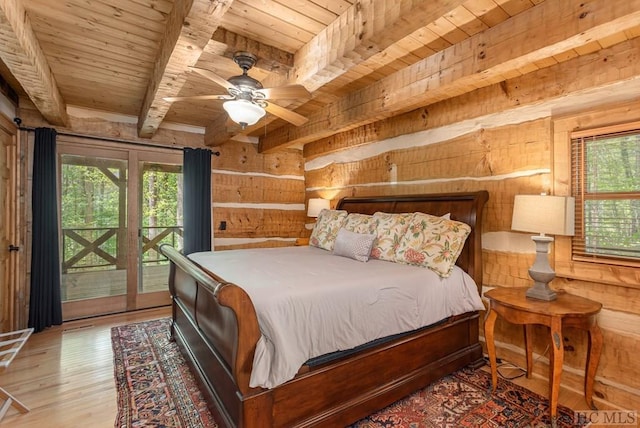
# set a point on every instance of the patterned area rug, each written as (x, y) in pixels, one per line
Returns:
(463, 399)
(155, 386)
(156, 389)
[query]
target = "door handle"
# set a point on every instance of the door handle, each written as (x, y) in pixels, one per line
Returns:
(14, 248)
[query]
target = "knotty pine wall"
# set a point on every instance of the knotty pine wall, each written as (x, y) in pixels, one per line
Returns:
(506, 138)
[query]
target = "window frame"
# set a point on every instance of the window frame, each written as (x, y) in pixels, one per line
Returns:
(578, 180)
(607, 271)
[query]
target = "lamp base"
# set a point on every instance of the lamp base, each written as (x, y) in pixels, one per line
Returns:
(541, 291)
(541, 272)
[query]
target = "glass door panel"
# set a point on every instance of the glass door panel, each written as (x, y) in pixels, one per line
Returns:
(161, 222)
(94, 227)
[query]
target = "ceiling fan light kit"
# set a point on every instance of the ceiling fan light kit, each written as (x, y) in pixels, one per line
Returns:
(243, 112)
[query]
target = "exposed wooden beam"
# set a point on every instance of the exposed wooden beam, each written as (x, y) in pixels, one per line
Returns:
(479, 61)
(366, 28)
(189, 28)
(617, 64)
(271, 59)
(22, 54)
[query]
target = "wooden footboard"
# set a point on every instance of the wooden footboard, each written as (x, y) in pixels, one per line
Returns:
(231, 324)
(216, 327)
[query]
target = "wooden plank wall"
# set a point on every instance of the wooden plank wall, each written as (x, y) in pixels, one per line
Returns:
(501, 138)
(260, 197)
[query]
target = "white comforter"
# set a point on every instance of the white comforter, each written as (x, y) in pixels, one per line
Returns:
(310, 302)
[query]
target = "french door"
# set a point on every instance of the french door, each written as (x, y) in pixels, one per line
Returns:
(117, 206)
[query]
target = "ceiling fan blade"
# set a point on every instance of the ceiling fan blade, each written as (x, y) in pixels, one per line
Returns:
(199, 97)
(285, 114)
(214, 77)
(287, 92)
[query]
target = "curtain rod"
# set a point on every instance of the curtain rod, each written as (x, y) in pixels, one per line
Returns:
(18, 122)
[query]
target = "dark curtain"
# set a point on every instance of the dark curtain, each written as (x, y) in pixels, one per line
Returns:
(45, 307)
(197, 200)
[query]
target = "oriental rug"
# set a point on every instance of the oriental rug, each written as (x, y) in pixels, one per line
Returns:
(155, 388)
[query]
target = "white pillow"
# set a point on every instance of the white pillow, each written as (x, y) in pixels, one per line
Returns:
(353, 245)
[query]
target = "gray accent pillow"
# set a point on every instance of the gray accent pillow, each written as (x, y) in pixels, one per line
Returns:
(353, 245)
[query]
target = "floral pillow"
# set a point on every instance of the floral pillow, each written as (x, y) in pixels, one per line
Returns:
(326, 228)
(433, 242)
(390, 228)
(360, 223)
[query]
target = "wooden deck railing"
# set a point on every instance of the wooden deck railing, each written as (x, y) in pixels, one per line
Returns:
(102, 248)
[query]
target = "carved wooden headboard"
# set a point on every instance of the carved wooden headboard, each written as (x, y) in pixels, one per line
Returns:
(464, 207)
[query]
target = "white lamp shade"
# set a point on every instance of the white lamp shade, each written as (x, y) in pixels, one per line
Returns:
(544, 214)
(316, 205)
(243, 112)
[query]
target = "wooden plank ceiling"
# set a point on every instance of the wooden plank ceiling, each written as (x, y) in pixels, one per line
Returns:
(362, 61)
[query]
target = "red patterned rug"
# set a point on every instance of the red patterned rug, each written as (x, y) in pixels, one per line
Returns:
(156, 389)
(463, 399)
(155, 386)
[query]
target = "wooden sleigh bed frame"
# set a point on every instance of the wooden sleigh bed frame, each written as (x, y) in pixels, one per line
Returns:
(216, 328)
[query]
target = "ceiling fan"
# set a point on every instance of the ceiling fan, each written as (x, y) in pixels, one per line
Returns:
(247, 100)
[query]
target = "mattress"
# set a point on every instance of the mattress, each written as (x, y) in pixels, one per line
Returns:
(310, 302)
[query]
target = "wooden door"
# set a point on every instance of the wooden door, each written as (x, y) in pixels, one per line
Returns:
(9, 244)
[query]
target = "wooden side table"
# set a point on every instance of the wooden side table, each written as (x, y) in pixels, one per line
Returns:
(566, 311)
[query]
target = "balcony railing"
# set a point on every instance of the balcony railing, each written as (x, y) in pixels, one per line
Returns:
(104, 248)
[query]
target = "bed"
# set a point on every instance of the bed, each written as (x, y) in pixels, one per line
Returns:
(215, 324)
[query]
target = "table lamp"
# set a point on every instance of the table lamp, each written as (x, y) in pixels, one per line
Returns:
(543, 214)
(314, 207)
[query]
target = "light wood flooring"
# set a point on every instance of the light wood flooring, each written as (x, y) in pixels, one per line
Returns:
(65, 375)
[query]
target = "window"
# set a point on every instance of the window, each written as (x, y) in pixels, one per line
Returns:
(605, 169)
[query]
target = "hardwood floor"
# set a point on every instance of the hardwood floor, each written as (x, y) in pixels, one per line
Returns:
(65, 375)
